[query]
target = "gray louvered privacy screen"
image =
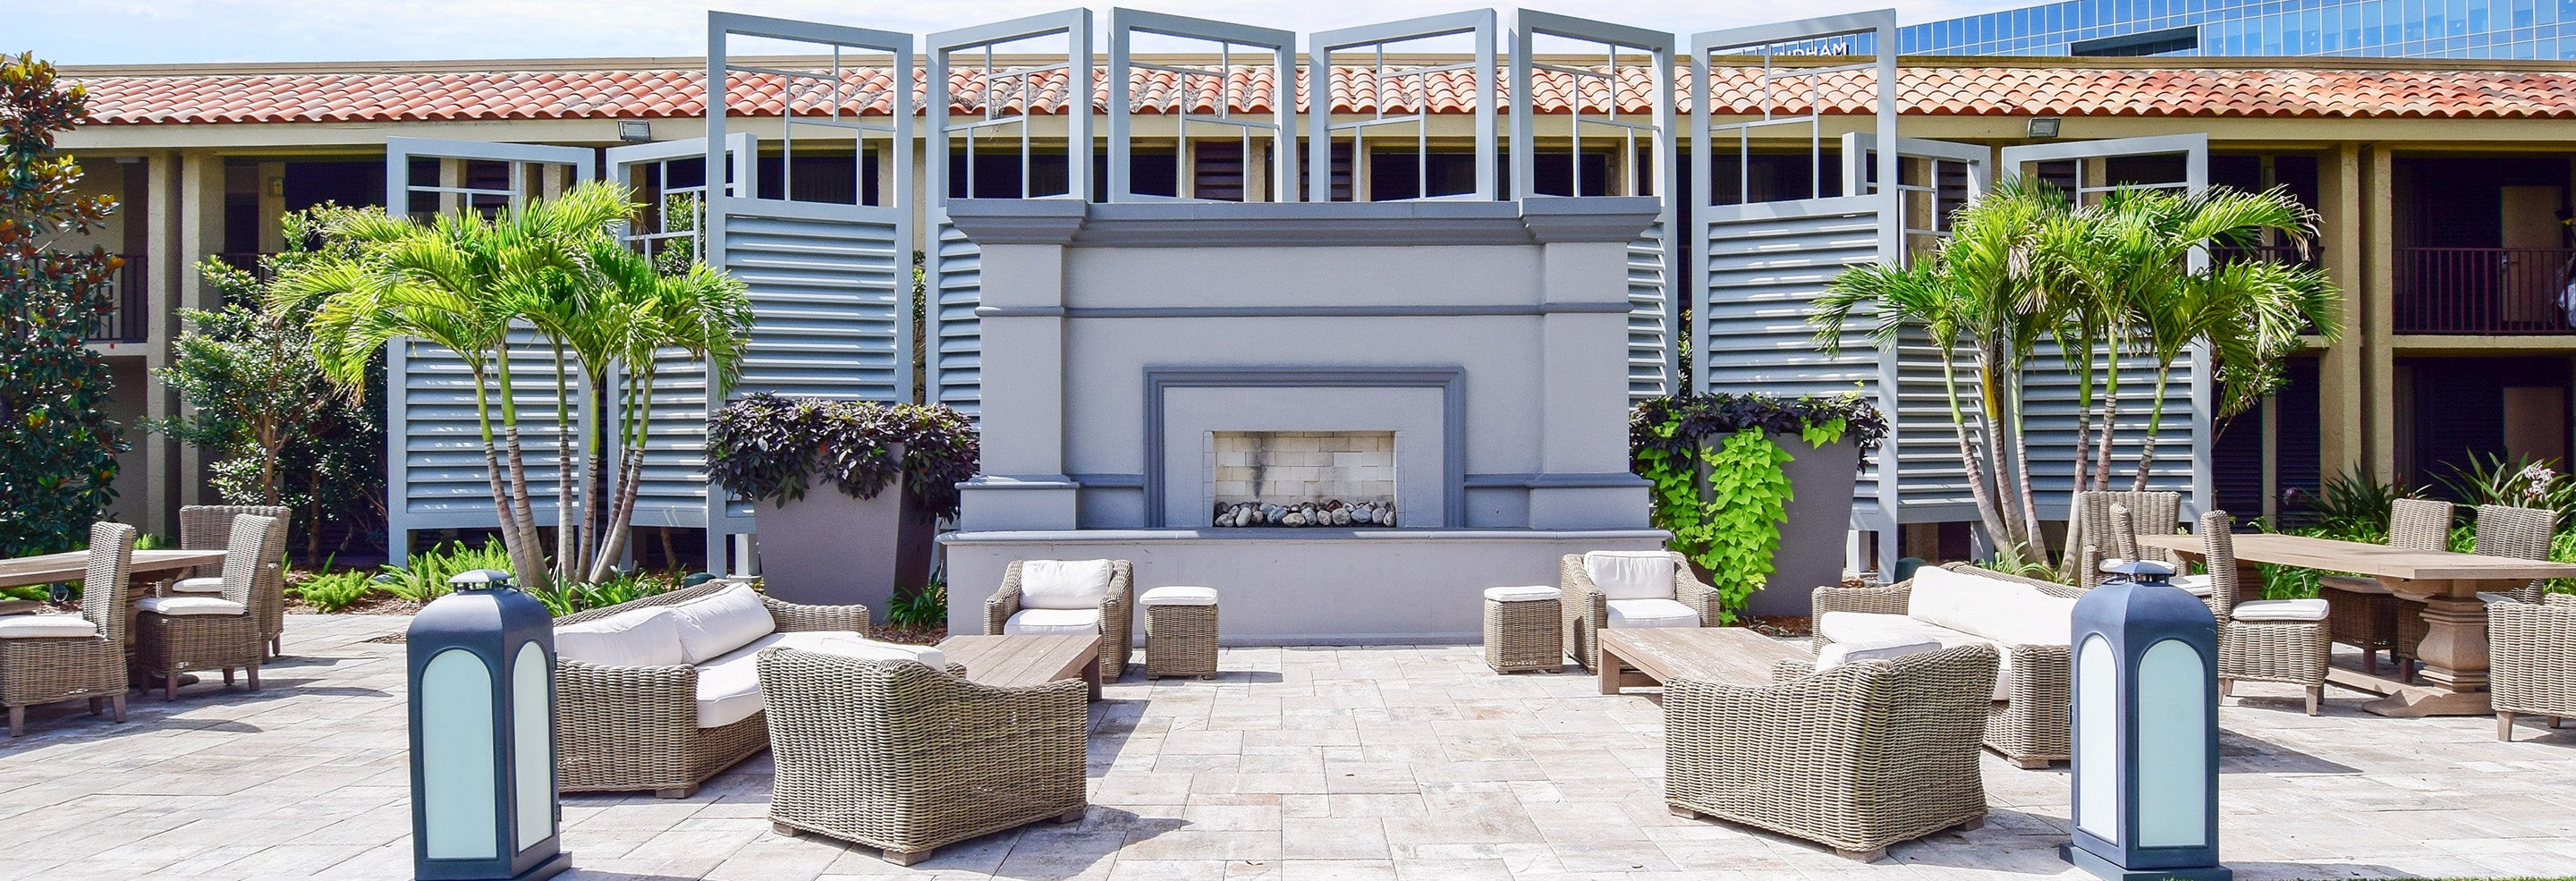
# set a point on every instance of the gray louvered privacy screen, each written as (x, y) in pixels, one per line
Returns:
(436, 476)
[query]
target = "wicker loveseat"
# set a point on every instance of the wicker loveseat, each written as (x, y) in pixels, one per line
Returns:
(662, 693)
(1856, 758)
(2025, 620)
(899, 756)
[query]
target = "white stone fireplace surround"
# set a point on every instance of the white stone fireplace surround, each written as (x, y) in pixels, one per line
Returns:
(1490, 338)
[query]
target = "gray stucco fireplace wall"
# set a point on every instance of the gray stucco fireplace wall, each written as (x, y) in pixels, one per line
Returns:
(1490, 338)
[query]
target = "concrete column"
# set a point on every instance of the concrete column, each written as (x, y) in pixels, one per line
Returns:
(165, 267)
(272, 205)
(2376, 309)
(200, 211)
(2343, 436)
(1583, 480)
(1022, 420)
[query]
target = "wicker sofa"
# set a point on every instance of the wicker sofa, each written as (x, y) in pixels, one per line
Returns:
(2027, 719)
(663, 692)
(1855, 758)
(1645, 589)
(906, 758)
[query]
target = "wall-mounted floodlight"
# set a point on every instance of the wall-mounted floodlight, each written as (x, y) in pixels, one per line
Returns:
(2043, 126)
(634, 131)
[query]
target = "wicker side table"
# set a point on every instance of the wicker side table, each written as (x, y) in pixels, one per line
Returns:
(1523, 629)
(1180, 631)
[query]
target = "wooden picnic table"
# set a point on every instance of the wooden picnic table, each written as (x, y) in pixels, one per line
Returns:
(2455, 644)
(1644, 656)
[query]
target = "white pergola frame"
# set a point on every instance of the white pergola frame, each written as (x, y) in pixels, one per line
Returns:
(1320, 127)
(1880, 23)
(1280, 128)
(1527, 26)
(940, 48)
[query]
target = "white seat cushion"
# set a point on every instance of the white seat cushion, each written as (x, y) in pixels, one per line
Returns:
(718, 623)
(1064, 584)
(1868, 628)
(46, 627)
(197, 585)
(1524, 594)
(1839, 654)
(1650, 613)
(729, 685)
(1631, 575)
(1053, 622)
(2279, 610)
(648, 637)
(1178, 595)
(191, 604)
(2494, 598)
(2196, 585)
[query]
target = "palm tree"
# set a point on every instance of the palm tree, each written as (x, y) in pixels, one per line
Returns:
(651, 316)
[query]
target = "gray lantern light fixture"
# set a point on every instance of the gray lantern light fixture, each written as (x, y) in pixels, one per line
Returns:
(483, 797)
(2145, 730)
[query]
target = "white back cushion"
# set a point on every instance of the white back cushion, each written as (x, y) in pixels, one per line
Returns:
(2039, 620)
(1064, 584)
(720, 622)
(633, 638)
(1631, 575)
(1992, 608)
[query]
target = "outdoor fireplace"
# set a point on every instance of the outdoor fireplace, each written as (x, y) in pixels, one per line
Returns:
(1301, 478)
(1217, 392)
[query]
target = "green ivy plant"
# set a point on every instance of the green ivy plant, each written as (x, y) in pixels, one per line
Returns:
(1717, 475)
(771, 448)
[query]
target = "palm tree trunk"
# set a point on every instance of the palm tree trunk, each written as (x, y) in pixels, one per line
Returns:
(568, 508)
(492, 466)
(2155, 423)
(2031, 543)
(1987, 515)
(531, 543)
(1994, 420)
(2110, 415)
(630, 475)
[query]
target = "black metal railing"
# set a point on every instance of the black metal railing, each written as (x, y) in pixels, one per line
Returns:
(2483, 291)
(128, 318)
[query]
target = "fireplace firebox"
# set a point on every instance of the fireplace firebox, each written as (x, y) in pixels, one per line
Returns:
(1301, 478)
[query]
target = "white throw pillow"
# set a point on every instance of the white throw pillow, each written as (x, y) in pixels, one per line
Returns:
(1053, 622)
(1843, 653)
(46, 627)
(720, 622)
(1631, 575)
(1978, 605)
(1064, 584)
(2038, 619)
(647, 637)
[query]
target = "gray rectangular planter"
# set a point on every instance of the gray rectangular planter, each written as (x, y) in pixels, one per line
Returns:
(830, 549)
(1811, 543)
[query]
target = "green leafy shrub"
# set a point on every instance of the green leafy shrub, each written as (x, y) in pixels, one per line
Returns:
(565, 599)
(920, 609)
(771, 448)
(1726, 515)
(426, 577)
(332, 592)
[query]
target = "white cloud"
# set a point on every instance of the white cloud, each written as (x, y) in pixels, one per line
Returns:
(183, 31)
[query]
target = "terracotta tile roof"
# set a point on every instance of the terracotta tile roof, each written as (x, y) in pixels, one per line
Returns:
(1942, 90)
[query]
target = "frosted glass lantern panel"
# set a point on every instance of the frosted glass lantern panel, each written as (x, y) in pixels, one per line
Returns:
(2097, 740)
(457, 768)
(532, 737)
(2173, 746)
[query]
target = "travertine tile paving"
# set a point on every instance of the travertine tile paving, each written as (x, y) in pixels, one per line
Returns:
(1370, 763)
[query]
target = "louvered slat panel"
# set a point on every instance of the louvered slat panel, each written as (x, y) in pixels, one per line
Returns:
(1649, 316)
(957, 343)
(828, 287)
(441, 480)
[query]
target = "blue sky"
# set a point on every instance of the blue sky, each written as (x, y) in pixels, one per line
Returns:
(193, 31)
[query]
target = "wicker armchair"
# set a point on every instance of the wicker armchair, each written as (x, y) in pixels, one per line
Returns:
(621, 729)
(2093, 530)
(2501, 531)
(1117, 614)
(42, 669)
(211, 526)
(1586, 609)
(179, 632)
(1856, 758)
(2531, 660)
(2030, 726)
(2360, 611)
(2261, 640)
(897, 756)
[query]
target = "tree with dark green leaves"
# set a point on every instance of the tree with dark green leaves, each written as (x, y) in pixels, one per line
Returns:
(58, 467)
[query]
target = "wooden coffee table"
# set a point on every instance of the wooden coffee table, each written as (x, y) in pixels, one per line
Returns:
(1016, 661)
(1654, 655)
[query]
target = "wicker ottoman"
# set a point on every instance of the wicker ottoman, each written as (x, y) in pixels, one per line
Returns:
(1180, 631)
(1523, 629)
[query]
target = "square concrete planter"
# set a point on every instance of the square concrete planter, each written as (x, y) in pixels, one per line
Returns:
(1811, 543)
(830, 549)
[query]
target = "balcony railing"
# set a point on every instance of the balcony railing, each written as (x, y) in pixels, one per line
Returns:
(128, 318)
(2483, 291)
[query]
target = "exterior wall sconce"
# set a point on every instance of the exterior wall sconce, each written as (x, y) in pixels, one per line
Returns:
(2043, 127)
(483, 797)
(634, 131)
(2145, 730)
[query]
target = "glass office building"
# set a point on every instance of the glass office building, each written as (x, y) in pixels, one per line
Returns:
(2515, 29)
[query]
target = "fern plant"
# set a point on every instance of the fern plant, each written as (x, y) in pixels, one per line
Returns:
(920, 609)
(332, 592)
